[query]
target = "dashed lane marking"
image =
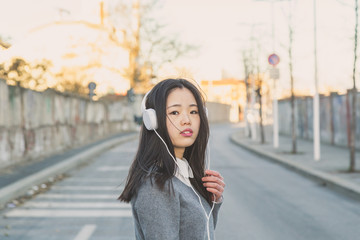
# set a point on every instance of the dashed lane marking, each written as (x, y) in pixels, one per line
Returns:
(86, 232)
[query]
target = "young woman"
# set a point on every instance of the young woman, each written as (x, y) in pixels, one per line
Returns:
(172, 195)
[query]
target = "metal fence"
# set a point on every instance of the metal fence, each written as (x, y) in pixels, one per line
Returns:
(335, 115)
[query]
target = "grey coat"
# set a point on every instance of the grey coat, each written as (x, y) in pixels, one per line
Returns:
(160, 215)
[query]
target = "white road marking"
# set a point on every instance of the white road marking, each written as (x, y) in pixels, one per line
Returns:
(90, 188)
(76, 205)
(90, 180)
(78, 196)
(67, 213)
(86, 232)
(113, 168)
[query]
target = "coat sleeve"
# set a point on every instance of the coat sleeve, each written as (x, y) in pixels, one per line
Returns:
(157, 213)
(216, 213)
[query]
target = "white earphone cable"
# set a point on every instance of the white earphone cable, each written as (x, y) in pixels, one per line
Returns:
(208, 167)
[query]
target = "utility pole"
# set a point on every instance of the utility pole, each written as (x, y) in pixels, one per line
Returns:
(275, 100)
(274, 74)
(293, 125)
(102, 15)
(134, 44)
(316, 117)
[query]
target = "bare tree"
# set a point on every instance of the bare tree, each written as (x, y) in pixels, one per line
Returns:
(150, 47)
(259, 94)
(159, 48)
(292, 98)
(253, 90)
(259, 83)
(246, 63)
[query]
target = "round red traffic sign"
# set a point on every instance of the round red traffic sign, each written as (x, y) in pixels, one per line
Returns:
(273, 59)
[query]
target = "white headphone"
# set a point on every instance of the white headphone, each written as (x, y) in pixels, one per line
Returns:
(149, 115)
(151, 123)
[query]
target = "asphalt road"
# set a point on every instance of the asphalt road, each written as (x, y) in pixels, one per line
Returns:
(262, 200)
(80, 207)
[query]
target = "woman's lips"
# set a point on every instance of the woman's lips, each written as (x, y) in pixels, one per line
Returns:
(187, 133)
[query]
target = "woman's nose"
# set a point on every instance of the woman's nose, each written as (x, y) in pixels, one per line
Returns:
(185, 119)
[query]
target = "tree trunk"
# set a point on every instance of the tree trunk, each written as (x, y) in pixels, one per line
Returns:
(354, 93)
(246, 68)
(262, 135)
(293, 128)
(353, 131)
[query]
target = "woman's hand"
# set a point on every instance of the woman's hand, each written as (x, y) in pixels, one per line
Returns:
(214, 183)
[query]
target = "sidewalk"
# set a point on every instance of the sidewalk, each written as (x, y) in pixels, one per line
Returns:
(19, 179)
(331, 170)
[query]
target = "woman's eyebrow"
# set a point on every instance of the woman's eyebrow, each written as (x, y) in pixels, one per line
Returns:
(174, 105)
(179, 105)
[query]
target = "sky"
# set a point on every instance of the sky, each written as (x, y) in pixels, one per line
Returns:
(224, 29)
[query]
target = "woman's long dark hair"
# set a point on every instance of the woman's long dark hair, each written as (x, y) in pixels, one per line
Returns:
(152, 159)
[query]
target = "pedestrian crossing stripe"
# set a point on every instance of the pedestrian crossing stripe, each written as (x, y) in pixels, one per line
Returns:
(45, 213)
(91, 205)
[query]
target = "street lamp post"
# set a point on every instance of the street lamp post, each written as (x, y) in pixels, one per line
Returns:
(275, 72)
(316, 114)
(275, 100)
(274, 75)
(275, 117)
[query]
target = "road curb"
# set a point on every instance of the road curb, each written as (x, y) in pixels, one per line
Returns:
(21, 186)
(327, 179)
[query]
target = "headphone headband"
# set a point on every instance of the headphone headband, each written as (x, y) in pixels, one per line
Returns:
(143, 102)
(149, 114)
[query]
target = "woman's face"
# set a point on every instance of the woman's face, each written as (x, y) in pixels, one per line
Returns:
(183, 119)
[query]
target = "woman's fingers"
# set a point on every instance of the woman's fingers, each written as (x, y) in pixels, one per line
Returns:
(213, 173)
(214, 183)
(213, 179)
(214, 188)
(217, 193)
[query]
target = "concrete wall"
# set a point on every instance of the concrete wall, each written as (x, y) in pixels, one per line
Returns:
(218, 112)
(34, 124)
(335, 113)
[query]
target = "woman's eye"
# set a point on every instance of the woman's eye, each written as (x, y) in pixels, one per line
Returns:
(194, 112)
(174, 113)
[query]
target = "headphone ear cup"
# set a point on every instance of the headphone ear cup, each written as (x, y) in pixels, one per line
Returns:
(150, 119)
